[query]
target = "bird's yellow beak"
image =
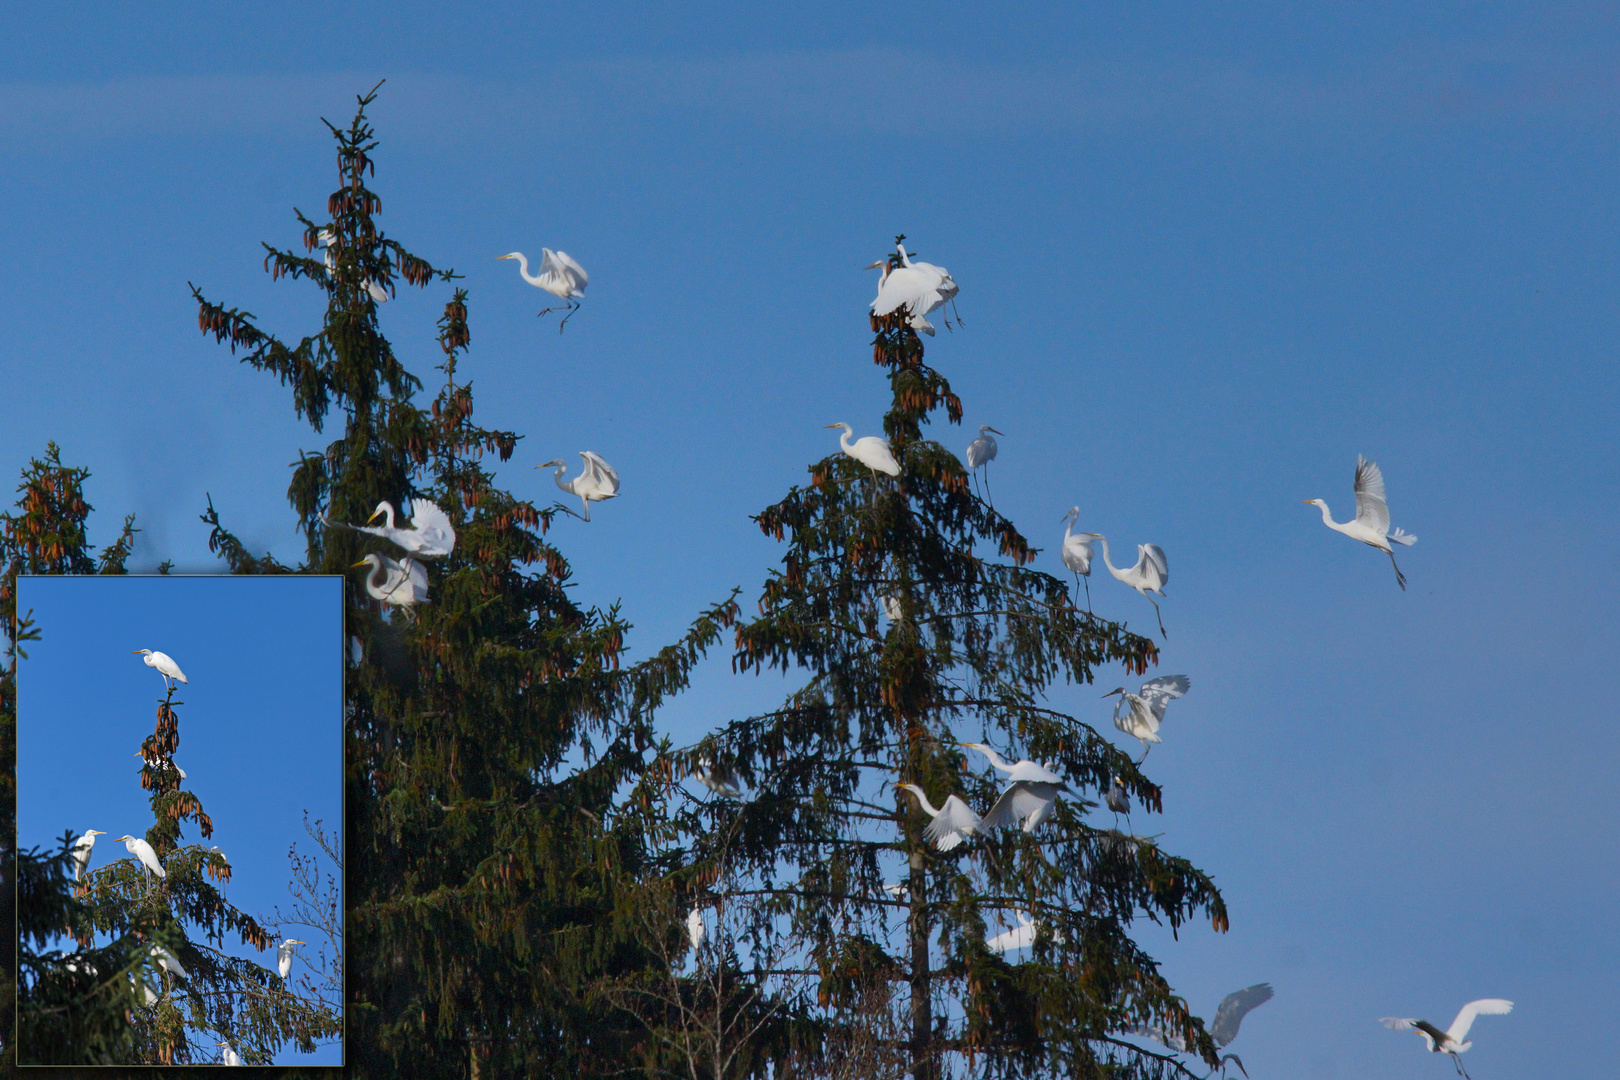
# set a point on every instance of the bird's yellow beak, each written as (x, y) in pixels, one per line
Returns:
(834, 425)
(1111, 693)
(374, 517)
(503, 256)
(1307, 502)
(875, 265)
(362, 562)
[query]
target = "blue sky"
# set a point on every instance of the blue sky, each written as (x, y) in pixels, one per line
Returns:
(261, 727)
(1206, 258)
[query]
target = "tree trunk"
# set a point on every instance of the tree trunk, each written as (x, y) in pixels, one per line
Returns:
(923, 1067)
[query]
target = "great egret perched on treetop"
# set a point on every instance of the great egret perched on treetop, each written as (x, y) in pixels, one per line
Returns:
(227, 1056)
(944, 284)
(559, 275)
(1144, 712)
(143, 851)
(431, 536)
(917, 288)
(403, 584)
(981, 452)
(1454, 1040)
(597, 479)
(1371, 525)
(284, 955)
(869, 450)
(1030, 795)
(159, 764)
(165, 666)
(1149, 574)
(1076, 551)
(168, 961)
(950, 824)
(81, 850)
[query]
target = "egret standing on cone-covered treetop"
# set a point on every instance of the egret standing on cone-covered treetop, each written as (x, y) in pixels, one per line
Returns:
(559, 275)
(1149, 574)
(1371, 524)
(82, 848)
(597, 479)
(869, 450)
(143, 851)
(430, 536)
(165, 666)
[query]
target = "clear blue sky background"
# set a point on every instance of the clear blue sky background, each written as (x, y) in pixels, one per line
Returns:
(1206, 255)
(261, 727)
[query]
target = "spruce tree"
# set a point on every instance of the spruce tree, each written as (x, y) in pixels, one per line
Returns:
(829, 852)
(490, 869)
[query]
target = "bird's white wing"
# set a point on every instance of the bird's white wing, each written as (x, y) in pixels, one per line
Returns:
(694, 927)
(1158, 1035)
(1483, 1007)
(1401, 536)
(954, 820)
(1372, 507)
(1015, 804)
(563, 263)
(601, 473)
(1398, 1023)
(416, 574)
(907, 288)
(1157, 693)
(1153, 562)
(438, 536)
(1234, 1007)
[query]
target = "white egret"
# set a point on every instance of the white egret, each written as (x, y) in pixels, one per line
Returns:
(597, 479)
(1076, 551)
(1371, 525)
(378, 293)
(159, 764)
(869, 450)
(148, 996)
(1149, 575)
(718, 779)
(328, 240)
(1233, 1008)
(1021, 936)
(227, 1056)
(899, 295)
(948, 825)
(215, 850)
(284, 955)
(430, 536)
(168, 962)
(1118, 800)
(1454, 1040)
(403, 584)
(981, 452)
(1144, 712)
(892, 608)
(1029, 797)
(143, 851)
(165, 666)
(695, 930)
(944, 284)
(559, 275)
(81, 850)
(917, 288)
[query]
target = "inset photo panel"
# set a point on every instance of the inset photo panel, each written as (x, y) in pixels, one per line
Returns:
(180, 821)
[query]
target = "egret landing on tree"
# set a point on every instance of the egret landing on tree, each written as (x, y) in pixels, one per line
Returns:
(1371, 524)
(1453, 1040)
(1030, 795)
(430, 535)
(559, 275)
(165, 666)
(597, 479)
(948, 825)
(1144, 712)
(1149, 575)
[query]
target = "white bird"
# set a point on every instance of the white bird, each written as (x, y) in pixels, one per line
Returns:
(869, 450)
(718, 779)
(165, 666)
(944, 284)
(81, 850)
(143, 851)
(892, 608)
(1030, 795)
(695, 929)
(227, 1056)
(375, 288)
(430, 536)
(1233, 1008)
(559, 275)
(1076, 551)
(597, 479)
(948, 825)
(1151, 572)
(981, 452)
(1021, 936)
(357, 651)
(1454, 1040)
(1118, 800)
(328, 240)
(284, 955)
(221, 854)
(148, 995)
(159, 764)
(1371, 525)
(169, 962)
(1144, 712)
(403, 584)
(916, 288)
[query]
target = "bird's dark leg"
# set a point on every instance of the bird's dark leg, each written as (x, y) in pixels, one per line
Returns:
(1160, 614)
(1400, 578)
(1147, 748)
(987, 496)
(959, 321)
(572, 307)
(1088, 595)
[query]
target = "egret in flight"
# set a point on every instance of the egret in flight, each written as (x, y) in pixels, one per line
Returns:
(143, 851)
(165, 666)
(1076, 552)
(559, 275)
(81, 850)
(1144, 712)
(597, 479)
(284, 955)
(227, 1056)
(944, 284)
(1454, 1040)
(1033, 789)
(950, 824)
(430, 536)
(869, 450)
(1149, 575)
(1228, 1016)
(403, 584)
(981, 452)
(1371, 525)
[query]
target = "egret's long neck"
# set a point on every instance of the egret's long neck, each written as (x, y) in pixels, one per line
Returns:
(1112, 569)
(558, 476)
(388, 515)
(374, 579)
(997, 760)
(523, 268)
(928, 807)
(845, 440)
(1327, 517)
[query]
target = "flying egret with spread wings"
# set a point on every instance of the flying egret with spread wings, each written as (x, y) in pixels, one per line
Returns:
(559, 275)
(430, 535)
(950, 824)
(165, 666)
(1233, 1008)
(1454, 1040)
(402, 584)
(869, 450)
(1149, 575)
(1076, 551)
(597, 479)
(82, 847)
(1139, 715)
(1033, 789)
(1371, 524)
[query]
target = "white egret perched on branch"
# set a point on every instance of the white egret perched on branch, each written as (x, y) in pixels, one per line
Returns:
(169, 962)
(1454, 1040)
(1021, 936)
(1076, 551)
(950, 824)
(981, 452)
(695, 930)
(944, 284)
(403, 584)
(597, 479)
(718, 779)
(227, 1056)
(82, 847)
(1144, 712)
(917, 288)
(159, 764)
(559, 275)
(1149, 574)
(165, 666)
(1030, 796)
(430, 536)
(143, 851)
(284, 955)
(870, 450)
(1371, 524)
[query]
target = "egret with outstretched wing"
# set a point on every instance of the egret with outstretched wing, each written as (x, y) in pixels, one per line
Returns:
(597, 480)
(948, 825)
(1454, 1040)
(430, 535)
(1149, 575)
(1371, 524)
(1139, 715)
(559, 275)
